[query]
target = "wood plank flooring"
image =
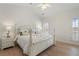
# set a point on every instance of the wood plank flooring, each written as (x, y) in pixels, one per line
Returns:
(60, 49)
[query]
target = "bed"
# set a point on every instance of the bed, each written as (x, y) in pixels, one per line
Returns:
(33, 44)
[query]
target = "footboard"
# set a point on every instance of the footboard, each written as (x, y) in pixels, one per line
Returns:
(40, 46)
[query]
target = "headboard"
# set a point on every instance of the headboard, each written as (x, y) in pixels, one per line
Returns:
(22, 30)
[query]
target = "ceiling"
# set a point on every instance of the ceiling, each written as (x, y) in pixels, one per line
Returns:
(54, 8)
(34, 7)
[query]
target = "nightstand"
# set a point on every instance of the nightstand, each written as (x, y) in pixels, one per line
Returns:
(6, 42)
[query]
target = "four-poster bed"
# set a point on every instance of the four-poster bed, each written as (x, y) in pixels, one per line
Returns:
(34, 43)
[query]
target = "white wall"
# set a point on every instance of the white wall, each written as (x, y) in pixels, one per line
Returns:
(62, 22)
(17, 14)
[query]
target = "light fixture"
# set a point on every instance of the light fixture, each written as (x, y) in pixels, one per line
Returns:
(44, 6)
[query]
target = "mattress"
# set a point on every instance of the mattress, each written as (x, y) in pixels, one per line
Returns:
(39, 38)
(35, 38)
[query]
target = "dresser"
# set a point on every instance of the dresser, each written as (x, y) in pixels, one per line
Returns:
(6, 42)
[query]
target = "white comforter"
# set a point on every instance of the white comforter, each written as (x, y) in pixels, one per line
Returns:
(40, 37)
(23, 41)
(35, 38)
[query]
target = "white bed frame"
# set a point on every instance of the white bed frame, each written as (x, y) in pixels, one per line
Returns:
(36, 48)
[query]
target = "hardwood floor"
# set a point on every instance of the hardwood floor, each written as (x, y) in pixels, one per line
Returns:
(60, 49)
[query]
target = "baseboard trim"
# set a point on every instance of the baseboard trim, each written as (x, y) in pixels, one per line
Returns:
(69, 42)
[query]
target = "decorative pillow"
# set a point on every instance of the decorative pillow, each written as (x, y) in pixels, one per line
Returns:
(20, 33)
(36, 31)
(25, 33)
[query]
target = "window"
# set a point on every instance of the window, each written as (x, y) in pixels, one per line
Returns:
(75, 25)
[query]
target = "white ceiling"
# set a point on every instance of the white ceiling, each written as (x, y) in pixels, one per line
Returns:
(54, 8)
(34, 7)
